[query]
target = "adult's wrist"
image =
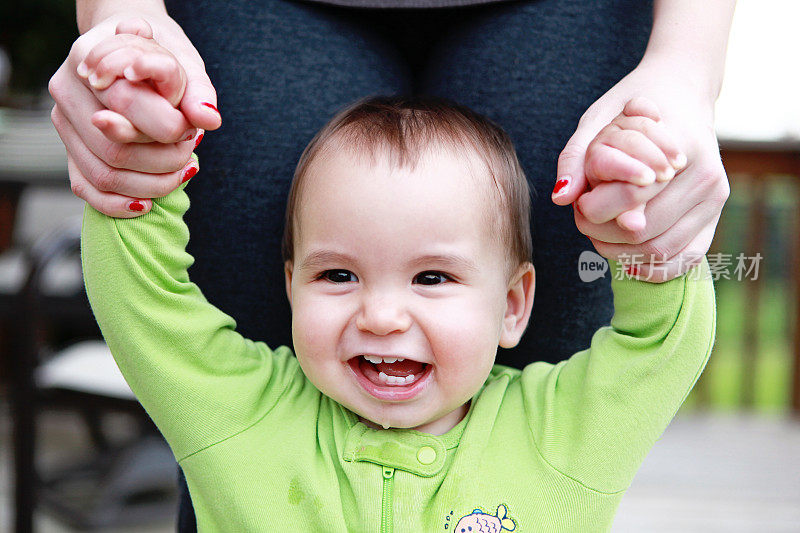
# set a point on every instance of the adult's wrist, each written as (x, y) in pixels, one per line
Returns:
(90, 13)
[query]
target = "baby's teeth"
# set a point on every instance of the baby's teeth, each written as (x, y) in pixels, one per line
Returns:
(389, 359)
(396, 380)
(374, 359)
(400, 359)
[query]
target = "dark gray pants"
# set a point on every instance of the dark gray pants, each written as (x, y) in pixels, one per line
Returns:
(282, 68)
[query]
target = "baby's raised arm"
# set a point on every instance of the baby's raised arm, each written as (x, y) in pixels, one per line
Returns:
(199, 380)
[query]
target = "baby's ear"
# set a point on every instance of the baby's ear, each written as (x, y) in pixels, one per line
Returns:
(287, 273)
(519, 302)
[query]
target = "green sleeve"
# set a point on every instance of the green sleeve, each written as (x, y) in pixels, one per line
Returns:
(198, 379)
(595, 416)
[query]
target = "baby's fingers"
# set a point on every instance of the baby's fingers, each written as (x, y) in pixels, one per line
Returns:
(103, 49)
(117, 128)
(611, 200)
(608, 163)
(168, 78)
(113, 66)
(659, 134)
(633, 220)
(135, 26)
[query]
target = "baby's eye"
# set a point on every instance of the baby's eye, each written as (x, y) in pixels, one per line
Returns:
(431, 278)
(338, 276)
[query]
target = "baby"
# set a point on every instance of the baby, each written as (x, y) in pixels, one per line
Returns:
(407, 256)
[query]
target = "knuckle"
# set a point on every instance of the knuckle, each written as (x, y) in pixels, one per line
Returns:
(173, 132)
(54, 86)
(603, 248)
(55, 117)
(654, 250)
(119, 97)
(78, 188)
(117, 154)
(629, 195)
(636, 237)
(104, 178)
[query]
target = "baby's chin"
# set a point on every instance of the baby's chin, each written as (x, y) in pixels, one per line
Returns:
(435, 426)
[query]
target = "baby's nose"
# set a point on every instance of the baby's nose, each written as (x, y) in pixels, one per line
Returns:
(382, 313)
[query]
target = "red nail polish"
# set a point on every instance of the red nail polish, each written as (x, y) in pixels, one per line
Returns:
(199, 138)
(188, 174)
(209, 104)
(136, 205)
(632, 270)
(560, 185)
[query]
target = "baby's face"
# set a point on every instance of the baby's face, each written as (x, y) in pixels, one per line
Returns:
(399, 288)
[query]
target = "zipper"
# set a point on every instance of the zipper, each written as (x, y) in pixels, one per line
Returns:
(387, 518)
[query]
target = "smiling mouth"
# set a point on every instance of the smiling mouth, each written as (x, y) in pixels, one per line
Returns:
(390, 377)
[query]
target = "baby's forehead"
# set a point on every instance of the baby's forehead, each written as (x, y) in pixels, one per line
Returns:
(472, 166)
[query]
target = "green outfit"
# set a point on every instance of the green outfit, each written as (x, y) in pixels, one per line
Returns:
(550, 448)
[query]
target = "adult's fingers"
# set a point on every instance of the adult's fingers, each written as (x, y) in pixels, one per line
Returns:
(640, 266)
(664, 246)
(106, 178)
(108, 203)
(571, 180)
(199, 102)
(76, 104)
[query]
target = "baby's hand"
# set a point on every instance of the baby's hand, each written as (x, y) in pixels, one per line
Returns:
(635, 148)
(132, 54)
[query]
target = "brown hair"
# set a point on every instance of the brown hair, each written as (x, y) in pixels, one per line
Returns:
(405, 128)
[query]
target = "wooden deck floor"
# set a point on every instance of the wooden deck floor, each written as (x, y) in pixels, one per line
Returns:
(708, 473)
(718, 473)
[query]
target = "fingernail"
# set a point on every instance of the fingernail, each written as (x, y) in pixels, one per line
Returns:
(189, 135)
(199, 138)
(129, 73)
(83, 70)
(669, 174)
(136, 205)
(649, 176)
(212, 106)
(680, 161)
(562, 186)
(93, 79)
(632, 270)
(189, 172)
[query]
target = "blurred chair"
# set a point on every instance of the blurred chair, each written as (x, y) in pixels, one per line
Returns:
(124, 483)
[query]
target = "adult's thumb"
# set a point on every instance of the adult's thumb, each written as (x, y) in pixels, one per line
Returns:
(199, 102)
(570, 180)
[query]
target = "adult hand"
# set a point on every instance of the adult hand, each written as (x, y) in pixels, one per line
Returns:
(124, 144)
(673, 223)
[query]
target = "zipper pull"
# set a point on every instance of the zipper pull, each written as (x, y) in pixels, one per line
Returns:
(388, 473)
